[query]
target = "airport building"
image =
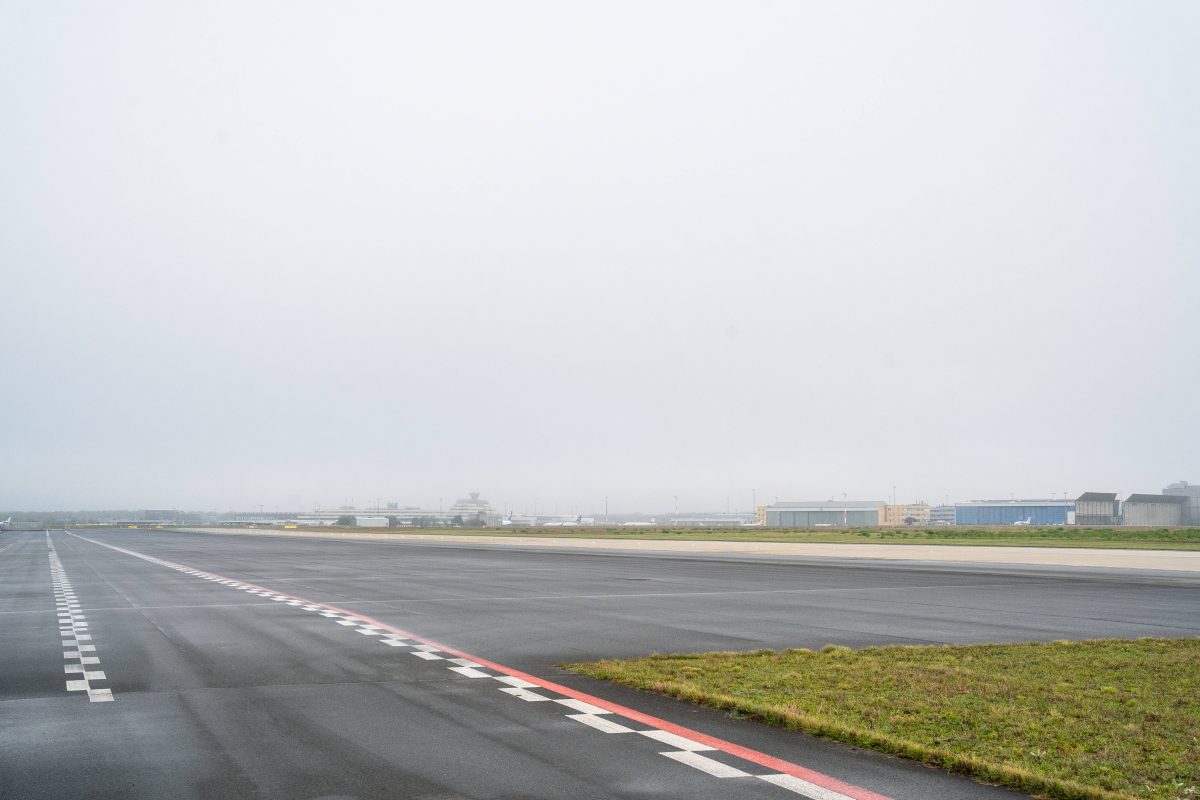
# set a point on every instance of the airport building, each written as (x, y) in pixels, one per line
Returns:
(474, 508)
(1097, 508)
(716, 519)
(1191, 513)
(472, 511)
(1015, 512)
(941, 515)
(898, 515)
(1154, 510)
(826, 514)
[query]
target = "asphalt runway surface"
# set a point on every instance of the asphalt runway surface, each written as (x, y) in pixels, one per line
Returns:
(149, 664)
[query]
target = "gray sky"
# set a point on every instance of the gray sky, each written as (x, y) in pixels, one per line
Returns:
(287, 253)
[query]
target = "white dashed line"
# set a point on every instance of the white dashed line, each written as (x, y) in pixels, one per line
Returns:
(580, 706)
(525, 694)
(71, 626)
(675, 741)
(520, 683)
(462, 662)
(600, 723)
(470, 672)
(803, 787)
(704, 764)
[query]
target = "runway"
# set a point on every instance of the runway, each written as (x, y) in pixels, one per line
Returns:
(152, 664)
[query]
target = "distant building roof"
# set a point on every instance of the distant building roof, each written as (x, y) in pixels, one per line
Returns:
(1097, 496)
(830, 504)
(1174, 499)
(1017, 502)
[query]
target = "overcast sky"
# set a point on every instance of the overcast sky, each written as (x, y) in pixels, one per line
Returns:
(294, 253)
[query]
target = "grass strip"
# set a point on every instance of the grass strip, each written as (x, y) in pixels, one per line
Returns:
(1095, 720)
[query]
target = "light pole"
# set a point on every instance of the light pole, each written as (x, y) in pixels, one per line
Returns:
(845, 512)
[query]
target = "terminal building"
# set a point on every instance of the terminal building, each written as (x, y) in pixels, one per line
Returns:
(474, 509)
(826, 514)
(1015, 512)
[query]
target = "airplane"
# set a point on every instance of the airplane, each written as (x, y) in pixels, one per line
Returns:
(544, 521)
(6, 525)
(564, 523)
(1026, 521)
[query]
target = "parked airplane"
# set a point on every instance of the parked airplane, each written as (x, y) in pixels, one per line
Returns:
(1026, 521)
(544, 521)
(6, 525)
(575, 523)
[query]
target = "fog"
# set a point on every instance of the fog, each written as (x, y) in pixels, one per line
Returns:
(297, 253)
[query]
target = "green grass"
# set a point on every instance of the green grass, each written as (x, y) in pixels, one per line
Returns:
(1131, 538)
(1097, 720)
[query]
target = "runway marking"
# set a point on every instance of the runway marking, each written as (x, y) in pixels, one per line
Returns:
(520, 683)
(680, 742)
(525, 694)
(581, 706)
(600, 723)
(470, 672)
(784, 774)
(801, 787)
(705, 764)
(71, 627)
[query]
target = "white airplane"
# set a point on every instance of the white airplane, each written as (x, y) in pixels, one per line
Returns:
(6, 525)
(564, 523)
(542, 521)
(1026, 521)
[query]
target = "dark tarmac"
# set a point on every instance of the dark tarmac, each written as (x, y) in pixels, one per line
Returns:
(217, 692)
